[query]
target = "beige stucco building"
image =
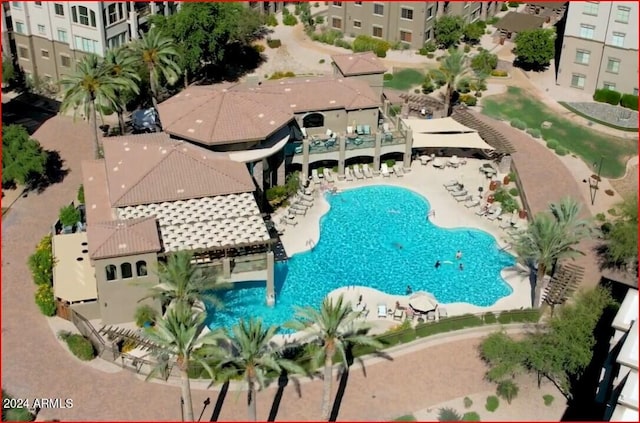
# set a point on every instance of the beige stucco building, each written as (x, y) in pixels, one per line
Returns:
(409, 22)
(600, 47)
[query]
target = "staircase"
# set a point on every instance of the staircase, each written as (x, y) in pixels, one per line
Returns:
(491, 136)
(563, 283)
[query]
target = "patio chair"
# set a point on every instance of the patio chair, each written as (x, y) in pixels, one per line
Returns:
(367, 130)
(288, 220)
(326, 172)
(293, 211)
(461, 199)
(382, 311)
(298, 200)
(442, 312)
(424, 160)
(453, 188)
(461, 193)
(472, 203)
(398, 314)
(331, 142)
(356, 171)
(431, 316)
(438, 163)
(451, 183)
(348, 174)
(359, 130)
(493, 216)
(304, 196)
(315, 176)
(384, 169)
(367, 171)
(506, 223)
(397, 169)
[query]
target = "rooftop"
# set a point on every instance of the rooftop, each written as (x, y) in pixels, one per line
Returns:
(518, 22)
(366, 63)
(119, 238)
(73, 276)
(628, 311)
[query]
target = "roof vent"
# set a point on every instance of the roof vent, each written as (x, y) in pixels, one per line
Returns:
(332, 102)
(127, 149)
(261, 115)
(292, 105)
(287, 90)
(163, 151)
(115, 169)
(307, 80)
(187, 94)
(93, 207)
(122, 186)
(180, 191)
(120, 162)
(90, 178)
(125, 143)
(184, 149)
(144, 148)
(350, 57)
(273, 122)
(122, 246)
(198, 120)
(191, 130)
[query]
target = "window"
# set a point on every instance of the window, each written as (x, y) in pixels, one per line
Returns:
(405, 36)
(406, 14)
(357, 24)
(427, 35)
(65, 61)
(613, 65)
(622, 14)
(378, 9)
(586, 31)
(111, 272)
(313, 120)
(141, 268)
(62, 36)
(582, 57)
(357, 3)
(86, 45)
(609, 86)
(16, 4)
(635, 91)
(591, 8)
(83, 16)
(19, 27)
(44, 54)
(337, 3)
(336, 23)
(429, 13)
(117, 41)
(577, 81)
(23, 53)
(59, 9)
(41, 29)
(617, 39)
(377, 31)
(125, 270)
(39, 3)
(112, 14)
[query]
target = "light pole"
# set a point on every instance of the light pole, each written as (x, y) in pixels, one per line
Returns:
(594, 180)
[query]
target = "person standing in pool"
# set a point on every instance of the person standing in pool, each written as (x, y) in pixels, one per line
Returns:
(437, 264)
(458, 255)
(461, 267)
(409, 290)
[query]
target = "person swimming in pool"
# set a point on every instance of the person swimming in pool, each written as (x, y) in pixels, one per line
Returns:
(398, 246)
(458, 255)
(437, 265)
(461, 267)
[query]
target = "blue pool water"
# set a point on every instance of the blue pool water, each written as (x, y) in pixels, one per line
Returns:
(377, 237)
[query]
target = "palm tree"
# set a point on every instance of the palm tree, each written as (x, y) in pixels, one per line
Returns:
(184, 283)
(454, 70)
(122, 64)
(335, 327)
(251, 354)
(551, 237)
(158, 54)
(94, 88)
(179, 334)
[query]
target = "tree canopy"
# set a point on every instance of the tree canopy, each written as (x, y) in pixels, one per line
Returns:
(622, 233)
(23, 159)
(535, 49)
(484, 62)
(474, 31)
(448, 30)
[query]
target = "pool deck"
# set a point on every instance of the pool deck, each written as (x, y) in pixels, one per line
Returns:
(427, 181)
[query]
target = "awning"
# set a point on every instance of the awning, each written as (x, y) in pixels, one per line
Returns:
(423, 302)
(469, 140)
(247, 156)
(436, 126)
(73, 276)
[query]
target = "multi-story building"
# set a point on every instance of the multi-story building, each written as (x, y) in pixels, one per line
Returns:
(600, 47)
(409, 22)
(50, 37)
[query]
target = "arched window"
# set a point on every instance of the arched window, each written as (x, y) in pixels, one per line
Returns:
(141, 268)
(111, 272)
(125, 270)
(313, 120)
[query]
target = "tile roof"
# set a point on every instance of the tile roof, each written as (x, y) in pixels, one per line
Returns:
(358, 63)
(152, 168)
(96, 191)
(231, 113)
(123, 238)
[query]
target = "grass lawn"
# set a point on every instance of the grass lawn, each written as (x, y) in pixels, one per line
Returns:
(586, 143)
(405, 79)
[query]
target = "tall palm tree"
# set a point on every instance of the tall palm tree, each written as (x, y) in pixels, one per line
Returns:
(335, 326)
(93, 88)
(251, 353)
(122, 64)
(184, 283)
(159, 55)
(454, 70)
(179, 334)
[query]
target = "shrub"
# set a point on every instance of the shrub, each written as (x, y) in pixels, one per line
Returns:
(320, 20)
(41, 262)
(281, 75)
(499, 73)
(514, 4)
(342, 43)
(289, 20)
(467, 402)
(69, 215)
(492, 403)
(469, 100)
(561, 151)
(629, 101)
(507, 390)
(493, 20)
(387, 76)
(81, 194)
(605, 95)
(321, 61)
(258, 48)
(45, 300)
(448, 415)
(285, 11)
(366, 43)
(600, 217)
(489, 318)
(484, 62)
(512, 176)
(390, 163)
(316, 4)
(427, 87)
(328, 37)
(514, 192)
(430, 46)
(518, 124)
(552, 143)
(18, 414)
(274, 43)
(422, 51)
(548, 399)
(467, 48)
(79, 345)
(430, 55)
(271, 20)
(534, 132)
(471, 416)
(145, 314)
(504, 7)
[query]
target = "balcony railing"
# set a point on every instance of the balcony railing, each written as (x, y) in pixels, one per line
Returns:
(362, 141)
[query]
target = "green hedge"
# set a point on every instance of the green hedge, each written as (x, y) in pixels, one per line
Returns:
(79, 345)
(629, 101)
(45, 300)
(365, 43)
(518, 124)
(561, 151)
(41, 262)
(534, 132)
(607, 96)
(552, 144)
(469, 100)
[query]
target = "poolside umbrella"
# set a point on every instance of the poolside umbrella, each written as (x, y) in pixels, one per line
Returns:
(422, 302)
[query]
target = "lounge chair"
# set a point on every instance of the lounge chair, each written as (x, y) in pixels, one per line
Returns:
(484, 210)
(506, 223)
(348, 174)
(424, 160)
(398, 314)
(293, 211)
(431, 315)
(305, 197)
(472, 203)
(382, 310)
(442, 312)
(302, 202)
(461, 199)
(359, 130)
(315, 176)
(357, 172)
(451, 183)
(384, 169)
(326, 172)
(367, 130)
(459, 193)
(289, 220)
(494, 215)
(438, 163)
(456, 187)
(397, 169)
(367, 171)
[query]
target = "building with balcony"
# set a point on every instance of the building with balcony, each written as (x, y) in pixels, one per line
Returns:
(50, 37)
(411, 23)
(600, 47)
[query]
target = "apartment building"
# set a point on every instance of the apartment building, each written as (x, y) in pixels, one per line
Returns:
(600, 47)
(409, 22)
(50, 37)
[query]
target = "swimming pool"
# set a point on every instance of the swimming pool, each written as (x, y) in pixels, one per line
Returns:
(377, 237)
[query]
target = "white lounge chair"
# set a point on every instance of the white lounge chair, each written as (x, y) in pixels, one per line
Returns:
(315, 176)
(497, 212)
(293, 211)
(289, 220)
(506, 223)
(438, 163)
(462, 198)
(348, 174)
(382, 310)
(454, 188)
(424, 160)
(357, 172)
(442, 312)
(326, 172)
(461, 193)
(304, 196)
(303, 201)
(397, 169)
(367, 171)
(385, 170)
(472, 203)
(451, 183)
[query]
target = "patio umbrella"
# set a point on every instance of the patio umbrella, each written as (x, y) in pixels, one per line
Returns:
(422, 302)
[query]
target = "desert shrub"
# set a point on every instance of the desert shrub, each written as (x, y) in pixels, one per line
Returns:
(467, 402)
(467, 48)
(514, 192)
(489, 318)
(471, 416)
(430, 46)
(484, 62)
(281, 75)
(69, 215)
(548, 399)
(390, 163)
(271, 20)
(600, 217)
(328, 37)
(259, 48)
(11, 414)
(629, 101)
(499, 73)
(79, 345)
(430, 55)
(289, 19)
(285, 11)
(492, 403)
(605, 95)
(469, 100)
(422, 51)
(342, 43)
(45, 300)
(274, 43)
(145, 314)
(427, 87)
(507, 390)
(321, 61)
(561, 151)
(504, 7)
(449, 415)
(387, 76)
(518, 124)
(552, 143)
(367, 43)
(394, 110)
(41, 262)
(81, 194)
(493, 20)
(514, 4)
(320, 20)
(534, 132)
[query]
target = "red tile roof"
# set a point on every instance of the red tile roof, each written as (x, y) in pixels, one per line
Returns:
(365, 63)
(123, 238)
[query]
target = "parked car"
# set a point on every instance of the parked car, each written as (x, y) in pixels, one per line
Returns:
(145, 120)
